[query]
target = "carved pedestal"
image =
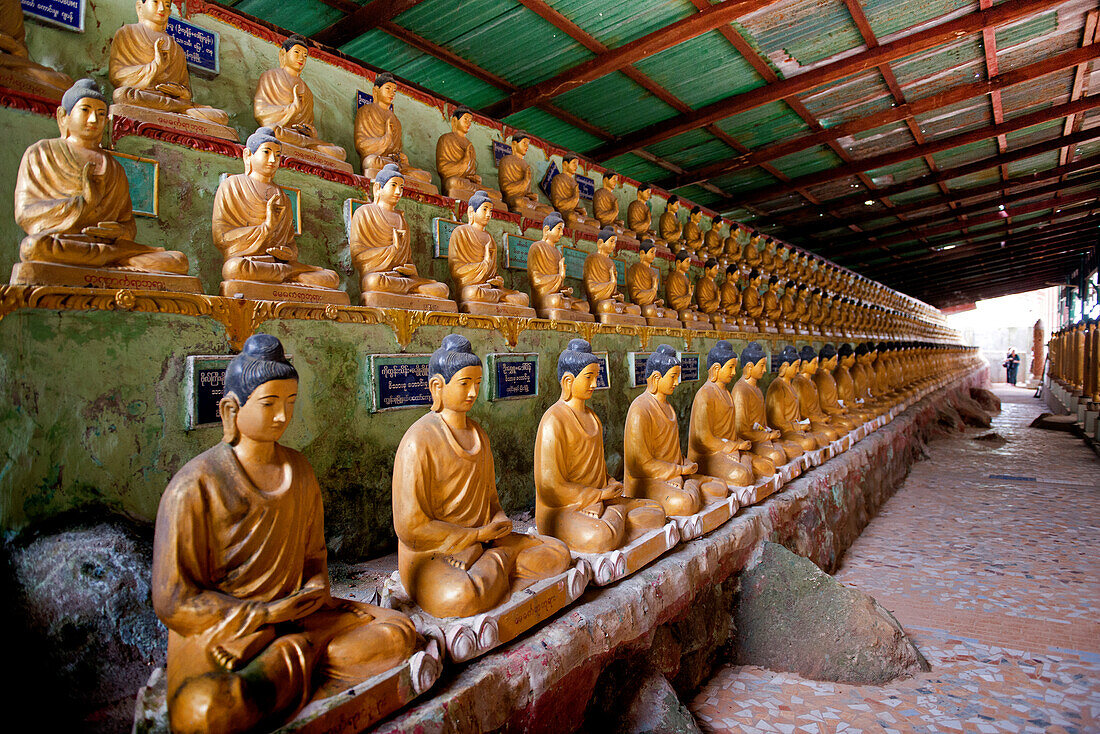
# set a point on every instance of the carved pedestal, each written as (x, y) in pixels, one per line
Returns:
(607, 568)
(314, 158)
(625, 319)
(712, 516)
(40, 273)
(379, 299)
(282, 292)
(173, 121)
(661, 321)
(566, 314)
(496, 309)
(764, 488)
(695, 320)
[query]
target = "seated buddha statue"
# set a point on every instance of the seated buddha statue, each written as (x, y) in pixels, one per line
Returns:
(639, 218)
(863, 378)
(680, 293)
(801, 300)
(768, 446)
(693, 232)
(565, 195)
(73, 201)
(546, 272)
(730, 301)
(378, 138)
(472, 259)
(240, 571)
(788, 307)
(668, 225)
(576, 500)
(752, 303)
(149, 72)
(654, 466)
(712, 240)
(781, 404)
(767, 257)
(713, 443)
(382, 254)
(284, 103)
(457, 553)
(643, 283)
(773, 309)
(809, 402)
(845, 417)
(750, 252)
(731, 248)
(17, 71)
(456, 161)
(708, 298)
(516, 177)
(253, 226)
(601, 285)
(815, 315)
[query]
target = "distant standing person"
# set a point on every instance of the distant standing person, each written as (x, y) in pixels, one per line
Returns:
(1012, 364)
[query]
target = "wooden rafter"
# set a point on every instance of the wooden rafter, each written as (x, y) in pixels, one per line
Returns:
(1089, 39)
(1055, 262)
(363, 19)
(940, 270)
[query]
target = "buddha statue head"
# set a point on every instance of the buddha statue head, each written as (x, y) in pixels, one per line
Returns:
(454, 375)
(755, 281)
(673, 205)
(388, 186)
(754, 362)
(647, 251)
(569, 165)
(644, 192)
(733, 272)
(808, 356)
(520, 143)
(293, 55)
(773, 283)
(710, 268)
(260, 389)
(696, 214)
(553, 227)
(828, 356)
(385, 89)
(154, 13)
(611, 180)
(864, 353)
(683, 261)
(82, 115)
(479, 210)
(789, 362)
(605, 241)
(662, 371)
(578, 369)
(261, 154)
(721, 363)
(461, 120)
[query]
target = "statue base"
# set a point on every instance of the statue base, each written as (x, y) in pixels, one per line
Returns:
(291, 292)
(789, 471)
(530, 212)
(626, 319)
(607, 568)
(661, 321)
(313, 158)
(747, 326)
(566, 314)
(350, 711)
(41, 273)
(720, 324)
(477, 308)
(585, 228)
(764, 488)
(174, 121)
(378, 299)
(696, 321)
(465, 638)
(711, 517)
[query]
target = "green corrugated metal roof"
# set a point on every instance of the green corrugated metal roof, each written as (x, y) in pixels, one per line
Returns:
(1020, 33)
(889, 16)
(616, 104)
(1033, 164)
(964, 154)
(909, 197)
(546, 126)
(764, 125)
(899, 172)
(925, 73)
(699, 195)
(677, 70)
(982, 178)
(793, 38)
(636, 167)
(746, 180)
(806, 162)
(301, 16)
(616, 23)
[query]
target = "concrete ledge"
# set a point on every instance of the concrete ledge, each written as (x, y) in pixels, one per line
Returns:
(545, 681)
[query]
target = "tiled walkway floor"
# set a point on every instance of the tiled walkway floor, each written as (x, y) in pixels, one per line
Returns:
(996, 579)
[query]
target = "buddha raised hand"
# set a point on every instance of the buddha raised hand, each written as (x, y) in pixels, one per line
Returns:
(378, 138)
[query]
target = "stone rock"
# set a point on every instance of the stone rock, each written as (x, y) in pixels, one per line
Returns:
(972, 413)
(82, 600)
(948, 421)
(1051, 422)
(987, 399)
(992, 438)
(656, 709)
(792, 617)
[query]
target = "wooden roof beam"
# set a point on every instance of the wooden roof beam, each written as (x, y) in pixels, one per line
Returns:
(1057, 262)
(945, 270)
(1080, 81)
(363, 19)
(1031, 281)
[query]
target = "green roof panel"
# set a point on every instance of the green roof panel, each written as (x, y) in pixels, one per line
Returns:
(677, 70)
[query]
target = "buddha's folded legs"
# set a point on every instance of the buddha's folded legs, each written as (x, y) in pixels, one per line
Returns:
(516, 298)
(764, 466)
(791, 449)
(357, 647)
(79, 251)
(463, 584)
(712, 487)
(824, 431)
(642, 516)
(535, 557)
(210, 114)
(313, 276)
(677, 499)
(151, 99)
(393, 283)
(726, 468)
(586, 532)
(293, 137)
(804, 441)
(260, 269)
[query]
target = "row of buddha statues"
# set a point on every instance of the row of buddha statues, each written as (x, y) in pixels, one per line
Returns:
(73, 203)
(240, 574)
(72, 200)
(1075, 359)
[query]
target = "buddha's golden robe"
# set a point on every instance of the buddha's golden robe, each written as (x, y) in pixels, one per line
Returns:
(828, 395)
(14, 56)
(274, 107)
(706, 295)
(139, 82)
(544, 272)
(470, 272)
(241, 233)
(670, 228)
(731, 249)
(516, 175)
(456, 161)
(51, 208)
(639, 219)
(781, 405)
(772, 309)
(787, 307)
(653, 459)
(809, 404)
(678, 290)
(729, 295)
(751, 303)
(846, 391)
(605, 207)
(693, 236)
(570, 472)
(750, 254)
(643, 284)
(748, 411)
(712, 426)
(601, 285)
(863, 378)
(712, 243)
(380, 243)
(443, 494)
(223, 550)
(565, 195)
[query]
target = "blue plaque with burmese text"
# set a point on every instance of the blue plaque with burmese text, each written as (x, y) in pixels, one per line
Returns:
(513, 376)
(500, 150)
(637, 368)
(68, 14)
(199, 45)
(516, 248)
(689, 366)
(441, 231)
(603, 380)
(398, 381)
(587, 187)
(204, 385)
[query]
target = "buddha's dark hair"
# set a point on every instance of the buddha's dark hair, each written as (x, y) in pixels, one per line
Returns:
(384, 78)
(262, 360)
(295, 40)
(788, 355)
(710, 263)
(752, 353)
(79, 90)
(455, 353)
(845, 350)
(754, 273)
(479, 199)
(862, 349)
(569, 157)
(807, 354)
(773, 280)
(461, 110)
(390, 170)
(829, 351)
(518, 136)
(720, 353)
(553, 219)
(682, 255)
(882, 347)
(647, 245)
(258, 138)
(697, 209)
(673, 200)
(645, 187)
(731, 269)
(577, 355)
(661, 360)
(606, 233)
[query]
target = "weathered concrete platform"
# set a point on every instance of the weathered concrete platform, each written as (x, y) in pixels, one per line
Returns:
(666, 612)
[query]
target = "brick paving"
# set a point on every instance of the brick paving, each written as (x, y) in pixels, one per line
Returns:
(988, 557)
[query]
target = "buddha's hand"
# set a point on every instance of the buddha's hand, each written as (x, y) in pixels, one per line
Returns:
(160, 51)
(659, 302)
(618, 297)
(689, 468)
(494, 531)
(408, 270)
(744, 445)
(282, 253)
(301, 603)
(274, 211)
(561, 268)
(105, 230)
(612, 490)
(775, 434)
(487, 256)
(496, 281)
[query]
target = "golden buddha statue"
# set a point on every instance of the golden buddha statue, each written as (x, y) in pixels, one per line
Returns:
(731, 250)
(17, 71)
(457, 553)
(253, 227)
(781, 404)
(149, 72)
(863, 377)
(576, 500)
(284, 103)
(750, 252)
(773, 308)
(767, 257)
(639, 218)
(680, 293)
(840, 415)
(654, 466)
(709, 300)
(73, 201)
(546, 272)
(516, 178)
(752, 303)
(643, 283)
(605, 207)
(472, 259)
(787, 306)
(378, 138)
(692, 232)
(456, 161)
(712, 240)
(713, 443)
(809, 402)
(815, 313)
(731, 301)
(601, 284)
(669, 227)
(381, 252)
(240, 572)
(768, 447)
(565, 195)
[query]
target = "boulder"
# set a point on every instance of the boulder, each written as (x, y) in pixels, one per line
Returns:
(987, 399)
(972, 413)
(656, 709)
(792, 617)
